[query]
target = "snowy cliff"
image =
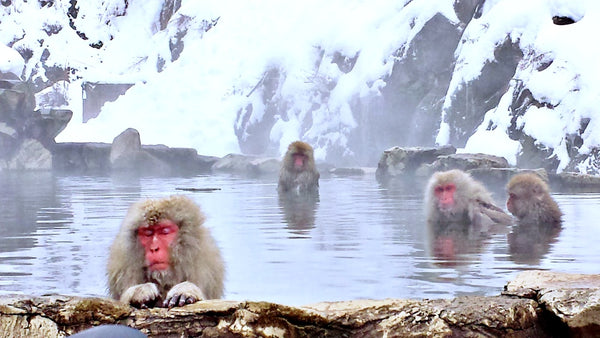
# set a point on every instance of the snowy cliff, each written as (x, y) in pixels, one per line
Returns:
(353, 77)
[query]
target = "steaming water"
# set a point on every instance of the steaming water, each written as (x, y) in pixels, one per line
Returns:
(360, 240)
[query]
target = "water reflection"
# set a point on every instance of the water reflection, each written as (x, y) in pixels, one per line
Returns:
(529, 243)
(360, 239)
(299, 211)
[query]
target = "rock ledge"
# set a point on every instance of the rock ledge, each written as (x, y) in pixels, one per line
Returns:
(535, 304)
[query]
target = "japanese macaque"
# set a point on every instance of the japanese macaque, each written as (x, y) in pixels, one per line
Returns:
(454, 197)
(529, 200)
(298, 171)
(164, 256)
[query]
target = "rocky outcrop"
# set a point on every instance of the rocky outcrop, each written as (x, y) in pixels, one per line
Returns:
(26, 135)
(571, 299)
(247, 165)
(127, 155)
(535, 304)
(398, 163)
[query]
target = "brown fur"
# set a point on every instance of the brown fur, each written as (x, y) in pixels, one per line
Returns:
(305, 180)
(531, 200)
(473, 202)
(194, 255)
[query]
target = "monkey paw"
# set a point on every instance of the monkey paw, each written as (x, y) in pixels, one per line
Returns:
(141, 295)
(182, 294)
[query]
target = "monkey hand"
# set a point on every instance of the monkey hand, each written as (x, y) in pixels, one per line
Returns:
(182, 294)
(141, 295)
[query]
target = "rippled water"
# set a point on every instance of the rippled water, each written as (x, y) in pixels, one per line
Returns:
(360, 240)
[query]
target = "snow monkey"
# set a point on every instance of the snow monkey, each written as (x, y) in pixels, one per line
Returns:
(455, 197)
(298, 172)
(529, 200)
(164, 256)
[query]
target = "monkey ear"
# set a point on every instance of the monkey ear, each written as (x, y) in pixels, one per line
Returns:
(538, 192)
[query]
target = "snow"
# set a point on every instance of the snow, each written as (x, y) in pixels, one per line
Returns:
(196, 100)
(11, 61)
(569, 83)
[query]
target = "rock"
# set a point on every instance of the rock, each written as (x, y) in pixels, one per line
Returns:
(266, 166)
(98, 93)
(471, 100)
(464, 162)
(128, 155)
(234, 163)
(247, 165)
(499, 177)
(57, 316)
(399, 161)
(125, 148)
(182, 160)
(83, 158)
(575, 182)
(8, 140)
(45, 125)
(31, 155)
(573, 298)
(347, 171)
(535, 304)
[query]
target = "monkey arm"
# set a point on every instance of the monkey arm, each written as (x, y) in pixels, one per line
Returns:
(182, 294)
(141, 295)
(496, 214)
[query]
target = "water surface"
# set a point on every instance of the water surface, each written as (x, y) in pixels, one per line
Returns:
(359, 240)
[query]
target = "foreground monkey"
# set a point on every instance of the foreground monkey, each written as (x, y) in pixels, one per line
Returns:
(164, 256)
(298, 171)
(454, 197)
(529, 200)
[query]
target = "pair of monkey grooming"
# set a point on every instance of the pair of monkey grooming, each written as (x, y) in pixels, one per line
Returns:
(455, 197)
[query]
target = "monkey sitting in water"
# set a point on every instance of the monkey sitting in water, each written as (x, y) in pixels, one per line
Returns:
(454, 197)
(164, 256)
(539, 218)
(529, 200)
(298, 172)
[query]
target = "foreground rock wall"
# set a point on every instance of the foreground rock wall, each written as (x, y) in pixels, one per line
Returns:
(535, 304)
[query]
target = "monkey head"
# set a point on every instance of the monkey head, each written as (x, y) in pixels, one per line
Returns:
(299, 155)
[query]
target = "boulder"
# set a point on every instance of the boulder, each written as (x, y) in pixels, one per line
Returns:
(576, 182)
(572, 298)
(464, 162)
(83, 158)
(182, 160)
(247, 165)
(58, 316)
(398, 161)
(535, 304)
(31, 155)
(125, 148)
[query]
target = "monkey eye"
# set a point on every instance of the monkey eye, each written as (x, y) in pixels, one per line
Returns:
(439, 189)
(165, 230)
(146, 231)
(513, 196)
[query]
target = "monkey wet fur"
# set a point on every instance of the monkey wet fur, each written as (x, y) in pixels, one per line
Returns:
(529, 200)
(454, 197)
(298, 171)
(164, 256)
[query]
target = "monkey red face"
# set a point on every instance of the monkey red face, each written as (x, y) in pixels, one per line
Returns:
(298, 160)
(156, 240)
(445, 195)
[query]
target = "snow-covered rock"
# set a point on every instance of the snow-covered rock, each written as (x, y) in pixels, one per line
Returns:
(352, 78)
